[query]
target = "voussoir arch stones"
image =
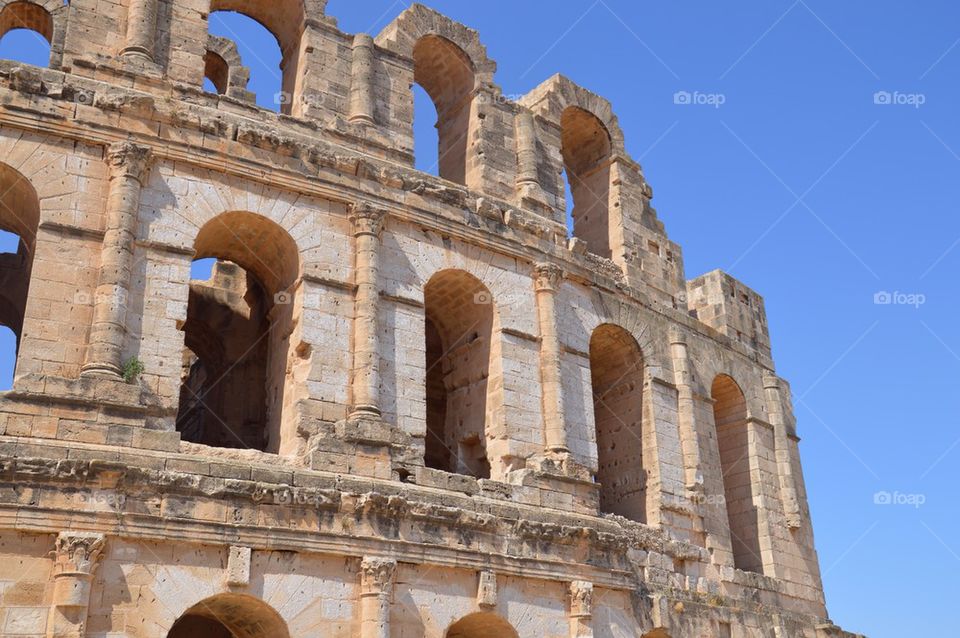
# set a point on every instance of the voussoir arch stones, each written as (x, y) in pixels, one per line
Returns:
(401, 35)
(551, 98)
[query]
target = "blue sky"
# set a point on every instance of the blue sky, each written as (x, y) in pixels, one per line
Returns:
(790, 171)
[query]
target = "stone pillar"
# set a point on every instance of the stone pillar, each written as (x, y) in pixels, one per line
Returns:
(376, 591)
(141, 30)
(686, 417)
(581, 609)
(547, 282)
(128, 163)
(76, 555)
(781, 419)
(367, 225)
(528, 180)
(361, 82)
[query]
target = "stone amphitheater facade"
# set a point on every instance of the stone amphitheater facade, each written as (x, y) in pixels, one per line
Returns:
(402, 405)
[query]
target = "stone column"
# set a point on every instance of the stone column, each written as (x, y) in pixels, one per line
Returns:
(141, 30)
(528, 180)
(128, 163)
(581, 609)
(367, 225)
(686, 417)
(76, 555)
(780, 418)
(547, 282)
(376, 591)
(361, 82)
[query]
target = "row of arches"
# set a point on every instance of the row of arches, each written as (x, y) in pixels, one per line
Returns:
(232, 615)
(241, 313)
(253, 55)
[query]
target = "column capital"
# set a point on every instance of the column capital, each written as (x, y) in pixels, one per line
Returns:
(581, 599)
(772, 382)
(376, 575)
(366, 218)
(677, 336)
(127, 159)
(548, 276)
(77, 553)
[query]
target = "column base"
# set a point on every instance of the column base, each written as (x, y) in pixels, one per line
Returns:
(137, 54)
(363, 118)
(101, 370)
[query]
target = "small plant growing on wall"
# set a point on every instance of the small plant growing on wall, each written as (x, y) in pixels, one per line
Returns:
(132, 369)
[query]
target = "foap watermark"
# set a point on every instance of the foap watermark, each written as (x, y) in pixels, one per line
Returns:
(897, 298)
(698, 98)
(899, 498)
(293, 496)
(498, 98)
(318, 100)
(898, 98)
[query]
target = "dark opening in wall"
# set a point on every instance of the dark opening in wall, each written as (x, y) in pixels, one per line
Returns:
(236, 334)
(459, 328)
(730, 417)
(616, 374)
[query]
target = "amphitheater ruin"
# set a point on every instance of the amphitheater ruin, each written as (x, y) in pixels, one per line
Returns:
(403, 405)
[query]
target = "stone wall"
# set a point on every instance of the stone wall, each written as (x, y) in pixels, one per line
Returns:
(440, 415)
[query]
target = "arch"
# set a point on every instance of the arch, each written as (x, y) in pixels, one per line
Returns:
(585, 146)
(460, 319)
(236, 334)
(230, 616)
(285, 20)
(27, 33)
(590, 141)
(225, 70)
(258, 244)
(617, 377)
(733, 443)
(481, 625)
(447, 75)
(551, 98)
(26, 15)
(417, 21)
(451, 65)
(20, 216)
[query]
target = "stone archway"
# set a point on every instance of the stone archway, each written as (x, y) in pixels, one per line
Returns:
(481, 625)
(230, 616)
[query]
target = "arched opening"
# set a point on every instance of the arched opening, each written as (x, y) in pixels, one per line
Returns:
(26, 31)
(269, 62)
(446, 74)
(481, 625)
(230, 616)
(237, 331)
(586, 148)
(215, 73)
(616, 375)
(19, 219)
(730, 417)
(425, 139)
(459, 325)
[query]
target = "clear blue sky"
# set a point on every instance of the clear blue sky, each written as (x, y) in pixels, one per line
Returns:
(804, 187)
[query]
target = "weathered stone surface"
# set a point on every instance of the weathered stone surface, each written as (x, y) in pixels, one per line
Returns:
(402, 404)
